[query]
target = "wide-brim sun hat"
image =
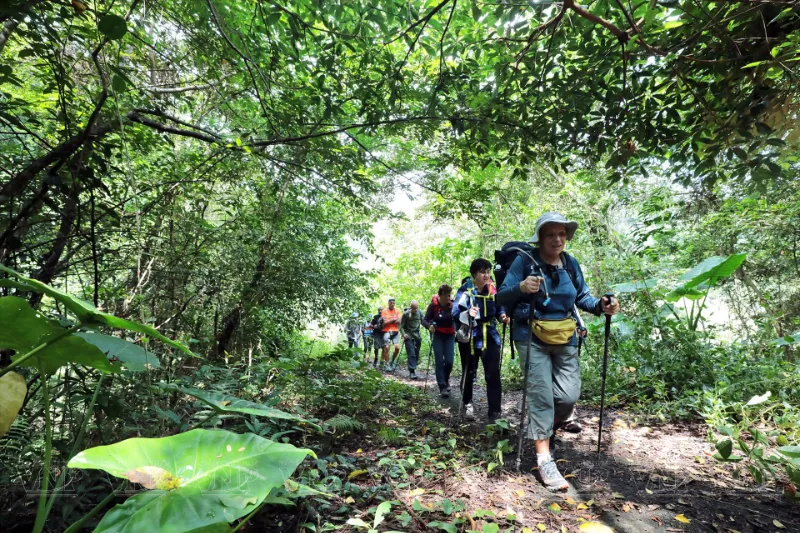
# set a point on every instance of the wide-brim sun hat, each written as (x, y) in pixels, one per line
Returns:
(554, 218)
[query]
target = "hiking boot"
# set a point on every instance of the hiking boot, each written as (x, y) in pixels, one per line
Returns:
(493, 417)
(551, 477)
(573, 427)
(412, 374)
(555, 442)
(445, 393)
(469, 412)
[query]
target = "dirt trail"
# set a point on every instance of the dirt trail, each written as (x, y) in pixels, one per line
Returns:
(647, 478)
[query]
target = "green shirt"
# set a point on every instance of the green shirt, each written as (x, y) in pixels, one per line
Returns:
(409, 324)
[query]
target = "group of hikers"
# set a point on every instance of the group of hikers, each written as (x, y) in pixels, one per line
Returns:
(537, 288)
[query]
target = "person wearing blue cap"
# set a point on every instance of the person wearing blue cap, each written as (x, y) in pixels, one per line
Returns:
(543, 288)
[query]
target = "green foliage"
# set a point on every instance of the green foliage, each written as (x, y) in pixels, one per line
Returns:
(197, 479)
(26, 330)
(226, 403)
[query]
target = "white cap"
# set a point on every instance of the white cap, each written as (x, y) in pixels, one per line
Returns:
(554, 218)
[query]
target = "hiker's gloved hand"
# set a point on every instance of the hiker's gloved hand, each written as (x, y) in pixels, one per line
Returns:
(505, 319)
(473, 312)
(405, 337)
(611, 309)
(530, 284)
(432, 329)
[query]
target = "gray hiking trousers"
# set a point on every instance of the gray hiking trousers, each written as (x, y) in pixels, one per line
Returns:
(554, 384)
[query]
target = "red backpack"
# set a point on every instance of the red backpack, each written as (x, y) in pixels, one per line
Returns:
(437, 310)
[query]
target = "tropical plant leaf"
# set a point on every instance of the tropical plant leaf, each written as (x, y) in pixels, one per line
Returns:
(712, 269)
(89, 314)
(683, 292)
(202, 477)
(12, 395)
(24, 329)
(231, 404)
(635, 286)
(112, 26)
(132, 357)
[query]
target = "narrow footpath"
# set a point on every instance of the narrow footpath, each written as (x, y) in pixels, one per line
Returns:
(646, 478)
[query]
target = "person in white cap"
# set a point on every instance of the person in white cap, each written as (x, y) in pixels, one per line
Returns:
(543, 288)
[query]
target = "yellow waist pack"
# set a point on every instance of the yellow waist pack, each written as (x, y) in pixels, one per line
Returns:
(554, 331)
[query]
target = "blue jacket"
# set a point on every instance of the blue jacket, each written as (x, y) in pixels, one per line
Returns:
(488, 311)
(565, 293)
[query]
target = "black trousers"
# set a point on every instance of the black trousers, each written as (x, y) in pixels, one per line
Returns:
(491, 369)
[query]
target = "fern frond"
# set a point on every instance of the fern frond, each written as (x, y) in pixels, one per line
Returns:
(343, 423)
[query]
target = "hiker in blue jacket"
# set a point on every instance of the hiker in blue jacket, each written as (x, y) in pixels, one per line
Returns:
(543, 289)
(475, 304)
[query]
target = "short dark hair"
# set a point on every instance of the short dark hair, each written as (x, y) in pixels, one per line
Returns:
(478, 265)
(444, 289)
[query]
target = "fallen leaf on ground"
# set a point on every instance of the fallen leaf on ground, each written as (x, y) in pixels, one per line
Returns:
(355, 473)
(554, 507)
(595, 527)
(416, 492)
(682, 519)
(541, 527)
(626, 508)
(617, 496)
(570, 501)
(778, 524)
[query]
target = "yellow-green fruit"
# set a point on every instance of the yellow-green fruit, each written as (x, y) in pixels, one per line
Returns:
(12, 394)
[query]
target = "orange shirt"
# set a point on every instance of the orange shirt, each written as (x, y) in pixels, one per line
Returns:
(390, 314)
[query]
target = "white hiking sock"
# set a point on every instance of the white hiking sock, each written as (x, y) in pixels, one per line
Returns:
(542, 458)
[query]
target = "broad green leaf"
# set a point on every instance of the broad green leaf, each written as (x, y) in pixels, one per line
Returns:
(201, 478)
(232, 404)
(725, 448)
(713, 269)
(23, 329)
(358, 523)
(12, 395)
(682, 292)
(112, 26)
(380, 513)
(88, 314)
(132, 357)
(450, 528)
(447, 507)
(790, 451)
(635, 286)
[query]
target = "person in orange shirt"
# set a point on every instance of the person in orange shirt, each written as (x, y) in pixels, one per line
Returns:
(391, 331)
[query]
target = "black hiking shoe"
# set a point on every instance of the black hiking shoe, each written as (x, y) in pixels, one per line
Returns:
(412, 374)
(573, 427)
(445, 393)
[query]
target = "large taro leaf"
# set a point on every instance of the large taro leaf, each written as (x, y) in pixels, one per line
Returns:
(231, 404)
(200, 478)
(89, 314)
(12, 395)
(23, 329)
(635, 286)
(712, 269)
(132, 357)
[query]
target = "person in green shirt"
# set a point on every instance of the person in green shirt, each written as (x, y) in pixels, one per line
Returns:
(409, 329)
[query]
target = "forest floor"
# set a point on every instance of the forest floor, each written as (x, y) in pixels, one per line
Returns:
(648, 478)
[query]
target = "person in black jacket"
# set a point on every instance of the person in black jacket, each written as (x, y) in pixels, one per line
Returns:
(377, 334)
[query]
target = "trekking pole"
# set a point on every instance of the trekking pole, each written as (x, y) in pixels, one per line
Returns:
(523, 418)
(428, 371)
(609, 296)
(502, 348)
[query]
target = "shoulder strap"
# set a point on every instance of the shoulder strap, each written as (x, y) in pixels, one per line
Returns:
(567, 260)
